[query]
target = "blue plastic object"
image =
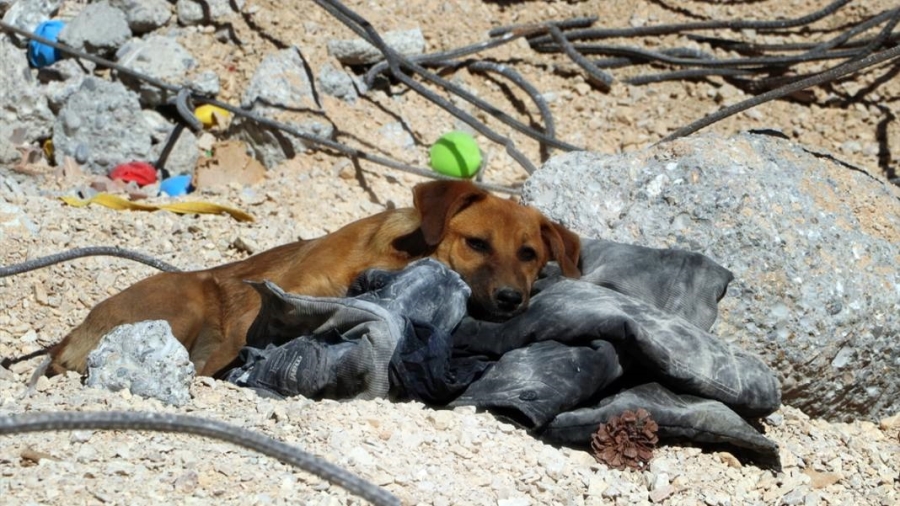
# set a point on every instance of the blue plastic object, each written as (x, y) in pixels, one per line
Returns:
(41, 55)
(176, 185)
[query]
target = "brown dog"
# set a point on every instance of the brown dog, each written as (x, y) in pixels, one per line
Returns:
(497, 246)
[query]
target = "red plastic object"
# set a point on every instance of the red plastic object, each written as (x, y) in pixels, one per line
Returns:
(141, 173)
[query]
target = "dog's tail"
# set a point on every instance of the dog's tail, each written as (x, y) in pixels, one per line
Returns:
(7, 362)
(40, 371)
(36, 375)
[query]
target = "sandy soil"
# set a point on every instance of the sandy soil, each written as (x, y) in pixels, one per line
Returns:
(424, 456)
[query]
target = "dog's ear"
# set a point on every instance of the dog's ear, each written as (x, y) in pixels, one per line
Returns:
(438, 201)
(564, 246)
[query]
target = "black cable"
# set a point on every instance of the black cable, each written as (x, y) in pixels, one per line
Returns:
(214, 429)
(527, 28)
(441, 59)
(677, 75)
(528, 88)
(662, 57)
(113, 251)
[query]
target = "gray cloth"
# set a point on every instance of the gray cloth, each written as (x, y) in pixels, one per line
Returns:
(341, 347)
(679, 417)
(682, 355)
(678, 282)
(638, 317)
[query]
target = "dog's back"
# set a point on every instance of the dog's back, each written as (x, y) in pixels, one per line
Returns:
(211, 310)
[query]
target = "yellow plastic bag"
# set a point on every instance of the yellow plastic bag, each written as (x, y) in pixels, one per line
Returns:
(115, 202)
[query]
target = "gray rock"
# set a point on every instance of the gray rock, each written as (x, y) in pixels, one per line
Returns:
(144, 15)
(23, 106)
(360, 52)
(813, 246)
(28, 14)
(63, 79)
(144, 358)
(98, 29)
(8, 152)
(183, 157)
(14, 218)
(101, 125)
(280, 90)
(281, 81)
(336, 83)
(69, 68)
(273, 147)
(158, 124)
(191, 12)
(157, 56)
(206, 83)
(396, 135)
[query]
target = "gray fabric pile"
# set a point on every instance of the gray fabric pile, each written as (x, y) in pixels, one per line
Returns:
(631, 333)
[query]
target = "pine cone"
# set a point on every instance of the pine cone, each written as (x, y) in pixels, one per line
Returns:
(626, 440)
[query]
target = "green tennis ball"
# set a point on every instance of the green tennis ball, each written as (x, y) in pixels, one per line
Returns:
(455, 154)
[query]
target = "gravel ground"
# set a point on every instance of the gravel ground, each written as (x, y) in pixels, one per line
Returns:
(421, 455)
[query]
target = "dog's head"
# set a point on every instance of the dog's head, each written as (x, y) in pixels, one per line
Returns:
(498, 246)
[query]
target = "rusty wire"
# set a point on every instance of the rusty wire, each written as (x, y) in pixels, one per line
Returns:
(767, 69)
(770, 70)
(182, 94)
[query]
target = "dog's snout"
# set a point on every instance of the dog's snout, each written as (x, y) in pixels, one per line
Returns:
(508, 299)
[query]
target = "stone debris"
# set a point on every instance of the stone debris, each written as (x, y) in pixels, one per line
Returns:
(63, 79)
(195, 12)
(281, 89)
(159, 57)
(337, 83)
(24, 112)
(182, 159)
(145, 359)
(144, 15)
(206, 83)
(360, 52)
(28, 14)
(100, 126)
(425, 456)
(12, 217)
(98, 29)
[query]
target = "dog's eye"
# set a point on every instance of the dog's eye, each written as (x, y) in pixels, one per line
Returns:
(527, 254)
(479, 245)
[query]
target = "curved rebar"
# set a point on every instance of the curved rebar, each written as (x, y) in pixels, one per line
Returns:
(824, 77)
(733, 24)
(528, 88)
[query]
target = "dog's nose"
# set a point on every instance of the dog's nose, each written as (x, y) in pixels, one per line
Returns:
(508, 299)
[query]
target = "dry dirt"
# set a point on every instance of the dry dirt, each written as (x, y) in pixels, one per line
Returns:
(424, 456)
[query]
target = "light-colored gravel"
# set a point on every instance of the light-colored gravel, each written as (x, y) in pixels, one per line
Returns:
(423, 456)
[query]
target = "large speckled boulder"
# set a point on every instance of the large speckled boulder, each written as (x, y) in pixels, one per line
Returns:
(814, 246)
